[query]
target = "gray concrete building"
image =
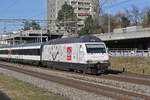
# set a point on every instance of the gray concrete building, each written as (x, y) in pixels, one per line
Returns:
(82, 8)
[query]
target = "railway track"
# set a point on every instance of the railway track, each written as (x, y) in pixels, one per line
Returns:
(112, 75)
(129, 79)
(81, 85)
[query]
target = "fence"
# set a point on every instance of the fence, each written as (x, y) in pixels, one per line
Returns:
(129, 52)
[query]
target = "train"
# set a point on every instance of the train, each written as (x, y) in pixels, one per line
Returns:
(87, 54)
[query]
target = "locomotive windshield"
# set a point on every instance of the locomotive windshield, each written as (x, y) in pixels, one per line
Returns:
(95, 48)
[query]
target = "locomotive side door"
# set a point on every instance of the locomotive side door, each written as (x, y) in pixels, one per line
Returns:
(81, 53)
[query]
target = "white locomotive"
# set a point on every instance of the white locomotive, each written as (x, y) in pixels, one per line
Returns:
(86, 54)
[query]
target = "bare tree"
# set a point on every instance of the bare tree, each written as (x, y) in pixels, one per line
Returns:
(102, 4)
(136, 15)
(98, 8)
(128, 14)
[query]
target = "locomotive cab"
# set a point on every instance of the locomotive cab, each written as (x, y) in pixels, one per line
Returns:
(96, 53)
(96, 57)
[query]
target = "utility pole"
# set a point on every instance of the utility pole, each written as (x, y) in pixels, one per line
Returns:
(20, 37)
(108, 23)
(65, 23)
(5, 29)
(4, 32)
(13, 41)
(41, 35)
(109, 17)
(77, 18)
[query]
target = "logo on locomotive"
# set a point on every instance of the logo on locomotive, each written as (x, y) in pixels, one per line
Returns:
(69, 53)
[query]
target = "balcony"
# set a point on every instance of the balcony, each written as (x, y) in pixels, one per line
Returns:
(83, 6)
(82, 17)
(83, 14)
(80, 23)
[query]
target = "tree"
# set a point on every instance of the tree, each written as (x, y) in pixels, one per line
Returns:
(66, 17)
(31, 25)
(102, 4)
(125, 21)
(148, 18)
(90, 27)
(26, 25)
(128, 14)
(35, 26)
(120, 20)
(136, 18)
(146, 15)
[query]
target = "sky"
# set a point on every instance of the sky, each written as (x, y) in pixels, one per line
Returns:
(115, 6)
(23, 9)
(36, 9)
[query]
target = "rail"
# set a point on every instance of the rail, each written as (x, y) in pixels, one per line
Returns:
(82, 85)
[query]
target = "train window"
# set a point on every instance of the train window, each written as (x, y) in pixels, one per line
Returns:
(30, 52)
(22, 52)
(95, 48)
(3, 51)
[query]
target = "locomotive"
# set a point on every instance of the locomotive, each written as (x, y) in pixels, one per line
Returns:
(86, 54)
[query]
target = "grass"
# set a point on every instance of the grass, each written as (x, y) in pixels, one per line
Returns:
(131, 64)
(17, 90)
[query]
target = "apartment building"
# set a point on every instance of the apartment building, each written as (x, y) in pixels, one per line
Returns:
(82, 8)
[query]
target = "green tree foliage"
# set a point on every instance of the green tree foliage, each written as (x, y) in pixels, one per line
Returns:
(129, 17)
(148, 18)
(66, 17)
(90, 27)
(121, 20)
(125, 21)
(26, 26)
(31, 25)
(146, 15)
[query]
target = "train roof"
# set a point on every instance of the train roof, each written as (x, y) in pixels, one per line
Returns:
(23, 45)
(82, 39)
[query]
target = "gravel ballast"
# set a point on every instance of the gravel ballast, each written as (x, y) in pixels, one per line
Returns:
(136, 88)
(70, 93)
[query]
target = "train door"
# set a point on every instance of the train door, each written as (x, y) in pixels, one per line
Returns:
(21, 52)
(9, 54)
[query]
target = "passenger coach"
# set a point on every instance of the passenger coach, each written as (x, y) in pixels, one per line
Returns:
(28, 53)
